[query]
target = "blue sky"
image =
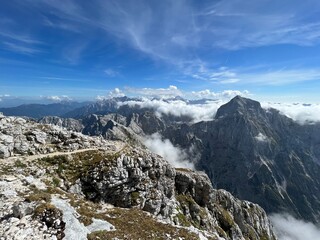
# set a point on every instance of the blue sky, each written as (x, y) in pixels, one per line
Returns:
(83, 49)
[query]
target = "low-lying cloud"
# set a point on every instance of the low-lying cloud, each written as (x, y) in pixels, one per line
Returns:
(177, 108)
(57, 98)
(170, 101)
(299, 112)
(261, 138)
(288, 228)
(163, 147)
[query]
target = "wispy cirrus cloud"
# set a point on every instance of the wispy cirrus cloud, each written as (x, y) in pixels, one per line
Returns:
(19, 48)
(54, 78)
(19, 38)
(187, 36)
(111, 72)
(175, 31)
(18, 41)
(262, 76)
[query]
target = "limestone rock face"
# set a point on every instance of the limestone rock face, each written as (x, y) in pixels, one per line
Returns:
(210, 208)
(144, 181)
(68, 123)
(139, 179)
(19, 136)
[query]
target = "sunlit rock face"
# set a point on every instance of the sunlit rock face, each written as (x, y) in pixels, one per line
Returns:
(86, 190)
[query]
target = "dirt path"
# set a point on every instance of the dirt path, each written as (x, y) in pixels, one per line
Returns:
(34, 157)
(117, 146)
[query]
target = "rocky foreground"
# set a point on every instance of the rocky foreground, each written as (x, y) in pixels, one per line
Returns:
(57, 184)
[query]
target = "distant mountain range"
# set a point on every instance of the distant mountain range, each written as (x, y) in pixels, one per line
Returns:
(41, 110)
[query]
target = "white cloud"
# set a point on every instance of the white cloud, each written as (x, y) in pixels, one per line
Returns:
(171, 91)
(228, 94)
(163, 147)
(289, 228)
(280, 77)
(73, 52)
(112, 94)
(197, 112)
(21, 48)
(177, 32)
(159, 99)
(260, 76)
(302, 113)
(111, 72)
(261, 138)
(57, 98)
(116, 93)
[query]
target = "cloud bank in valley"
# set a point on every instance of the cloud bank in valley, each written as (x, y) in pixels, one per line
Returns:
(172, 101)
(164, 101)
(163, 147)
(299, 112)
(178, 108)
(289, 228)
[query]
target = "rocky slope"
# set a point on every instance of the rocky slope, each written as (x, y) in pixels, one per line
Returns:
(26, 137)
(112, 190)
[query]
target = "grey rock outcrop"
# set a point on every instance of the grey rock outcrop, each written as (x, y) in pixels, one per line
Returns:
(26, 137)
(67, 123)
(143, 181)
(139, 179)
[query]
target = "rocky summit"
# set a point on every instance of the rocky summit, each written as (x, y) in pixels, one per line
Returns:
(60, 184)
(262, 156)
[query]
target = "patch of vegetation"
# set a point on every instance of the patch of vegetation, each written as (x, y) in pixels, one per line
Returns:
(185, 199)
(56, 181)
(19, 164)
(250, 234)
(135, 198)
(187, 203)
(73, 167)
(136, 224)
(221, 232)
(264, 236)
(39, 211)
(182, 220)
(37, 195)
(6, 170)
(225, 220)
(184, 169)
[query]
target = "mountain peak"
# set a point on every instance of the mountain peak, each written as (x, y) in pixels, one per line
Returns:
(239, 105)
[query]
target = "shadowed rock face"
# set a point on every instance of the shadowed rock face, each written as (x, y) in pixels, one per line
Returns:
(262, 156)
